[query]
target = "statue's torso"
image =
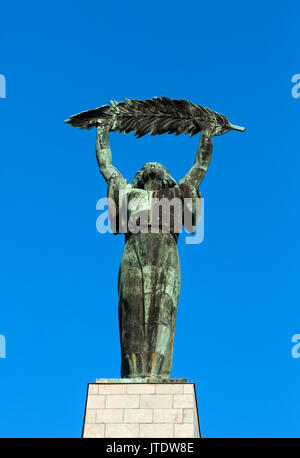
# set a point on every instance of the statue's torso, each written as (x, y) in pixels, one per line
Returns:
(156, 211)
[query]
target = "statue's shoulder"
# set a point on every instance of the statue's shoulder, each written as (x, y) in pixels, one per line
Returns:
(117, 180)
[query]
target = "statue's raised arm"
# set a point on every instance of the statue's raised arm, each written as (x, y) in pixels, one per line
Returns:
(103, 152)
(196, 174)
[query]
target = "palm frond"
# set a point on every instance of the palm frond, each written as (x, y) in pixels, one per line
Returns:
(155, 116)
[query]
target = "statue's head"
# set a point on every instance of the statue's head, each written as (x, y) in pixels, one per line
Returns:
(153, 176)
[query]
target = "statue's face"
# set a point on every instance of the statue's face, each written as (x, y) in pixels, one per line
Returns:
(153, 175)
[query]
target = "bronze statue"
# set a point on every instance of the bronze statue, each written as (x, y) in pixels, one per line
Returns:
(149, 274)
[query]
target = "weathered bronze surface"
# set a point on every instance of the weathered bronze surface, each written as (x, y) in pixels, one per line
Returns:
(156, 116)
(149, 274)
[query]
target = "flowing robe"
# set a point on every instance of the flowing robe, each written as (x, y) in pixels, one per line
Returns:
(149, 279)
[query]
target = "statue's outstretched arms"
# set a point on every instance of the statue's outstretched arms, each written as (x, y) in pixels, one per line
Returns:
(103, 153)
(204, 154)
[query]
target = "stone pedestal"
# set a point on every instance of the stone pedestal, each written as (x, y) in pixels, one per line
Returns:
(138, 408)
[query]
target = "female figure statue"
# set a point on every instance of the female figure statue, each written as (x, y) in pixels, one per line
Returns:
(149, 274)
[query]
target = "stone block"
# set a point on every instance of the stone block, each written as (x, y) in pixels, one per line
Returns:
(138, 415)
(141, 388)
(156, 430)
(111, 389)
(145, 408)
(122, 401)
(95, 401)
(156, 401)
(122, 430)
(109, 416)
(167, 416)
(93, 430)
(183, 401)
(188, 416)
(184, 430)
(169, 389)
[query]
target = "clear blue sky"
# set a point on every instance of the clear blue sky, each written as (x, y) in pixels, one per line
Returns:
(239, 304)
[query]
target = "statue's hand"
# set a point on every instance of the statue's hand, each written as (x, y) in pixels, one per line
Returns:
(208, 131)
(218, 130)
(212, 130)
(102, 124)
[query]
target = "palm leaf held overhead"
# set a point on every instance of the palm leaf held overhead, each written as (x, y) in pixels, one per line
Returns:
(155, 116)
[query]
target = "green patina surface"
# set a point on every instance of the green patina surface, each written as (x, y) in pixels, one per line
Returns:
(149, 274)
